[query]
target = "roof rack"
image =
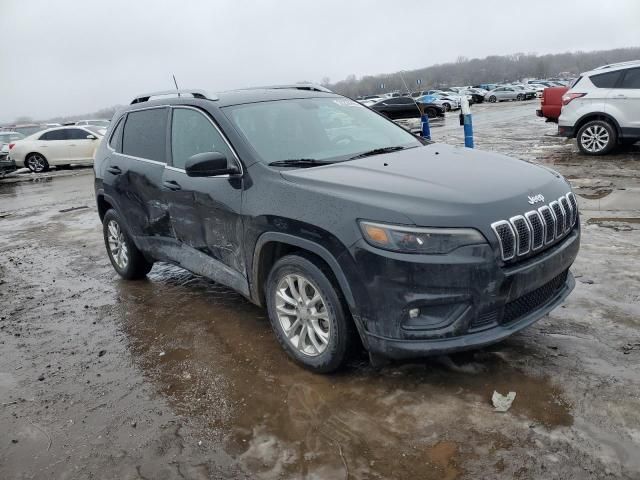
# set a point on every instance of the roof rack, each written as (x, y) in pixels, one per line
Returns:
(145, 97)
(312, 87)
(619, 64)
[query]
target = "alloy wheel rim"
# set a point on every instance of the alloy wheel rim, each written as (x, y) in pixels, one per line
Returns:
(595, 138)
(303, 315)
(36, 163)
(117, 244)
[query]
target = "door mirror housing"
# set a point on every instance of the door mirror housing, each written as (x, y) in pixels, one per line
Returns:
(91, 137)
(209, 164)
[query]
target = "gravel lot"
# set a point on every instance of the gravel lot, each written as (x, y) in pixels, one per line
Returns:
(177, 377)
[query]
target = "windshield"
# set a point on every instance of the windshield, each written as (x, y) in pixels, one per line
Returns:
(333, 128)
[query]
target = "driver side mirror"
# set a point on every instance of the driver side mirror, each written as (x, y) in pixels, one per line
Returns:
(209, 164)
(91, 137)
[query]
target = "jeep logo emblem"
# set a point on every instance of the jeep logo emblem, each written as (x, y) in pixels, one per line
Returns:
(536, 198)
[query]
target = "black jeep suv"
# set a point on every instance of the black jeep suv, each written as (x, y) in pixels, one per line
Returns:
(346, 227)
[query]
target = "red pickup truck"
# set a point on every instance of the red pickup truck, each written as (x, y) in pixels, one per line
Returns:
(551, 103)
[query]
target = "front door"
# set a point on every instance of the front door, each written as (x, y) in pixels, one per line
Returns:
(205, 211)
(80, 147)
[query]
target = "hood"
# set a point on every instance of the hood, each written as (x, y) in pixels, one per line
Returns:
(438, 185)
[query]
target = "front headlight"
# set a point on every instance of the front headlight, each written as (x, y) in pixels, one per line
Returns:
(403, 239)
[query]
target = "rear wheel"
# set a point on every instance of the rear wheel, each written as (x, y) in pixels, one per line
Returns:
(125, 257)
(36, 162)
(307, 314)
(596, 137)
(447, 106)
(492, 99)
(519, 97)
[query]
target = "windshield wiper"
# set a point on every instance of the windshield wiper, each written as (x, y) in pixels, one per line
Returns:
(300, 162)
(378, 151)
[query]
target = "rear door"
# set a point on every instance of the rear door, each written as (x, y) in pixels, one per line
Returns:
(53, 145)
(624, 100)
(136, 172)
(205, 211)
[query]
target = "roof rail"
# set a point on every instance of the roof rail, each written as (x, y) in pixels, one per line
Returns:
(619, 64)
(145, 97)
(312, 87)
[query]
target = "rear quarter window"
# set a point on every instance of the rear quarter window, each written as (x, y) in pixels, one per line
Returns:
(144, 134)
(115, 141)
(606, 80)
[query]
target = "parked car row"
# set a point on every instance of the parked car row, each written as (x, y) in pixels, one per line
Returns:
(58, 146)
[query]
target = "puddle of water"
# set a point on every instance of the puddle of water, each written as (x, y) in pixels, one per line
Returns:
(214, 356)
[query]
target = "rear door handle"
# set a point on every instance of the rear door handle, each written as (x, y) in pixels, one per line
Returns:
(115, 170)
(620, 95)
(171, 185)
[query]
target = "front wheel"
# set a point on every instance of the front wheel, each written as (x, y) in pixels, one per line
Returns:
(307, 313)
(492, 99)
(125, 257)
(596, 137)
(519, 98)
(447, 107)
(36, 162)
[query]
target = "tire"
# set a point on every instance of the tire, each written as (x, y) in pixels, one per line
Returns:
(519, 98)
(431, 113)
(447, 107)
(597, 137)
(125, 257)
(492, 99)
(36, 162)
(325, 347)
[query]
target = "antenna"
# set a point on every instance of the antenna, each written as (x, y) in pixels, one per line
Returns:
(407, 88)
(176, 84)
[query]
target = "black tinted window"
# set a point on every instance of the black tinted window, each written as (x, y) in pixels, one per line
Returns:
(116, 136)
(631, 79)
(77, 134)
(54, 135)
(606, 80)
(144, 134)
(192, 133)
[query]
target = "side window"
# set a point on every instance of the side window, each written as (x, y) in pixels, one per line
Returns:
(53, 135)
(631, 79)
(116, 137)
(144, 134)
(606, 80)
(77, 134)
(192, 133)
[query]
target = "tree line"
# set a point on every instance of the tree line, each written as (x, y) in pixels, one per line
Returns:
(491, 69)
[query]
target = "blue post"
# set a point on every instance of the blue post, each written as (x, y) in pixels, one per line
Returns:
(426, 130)
(467, 123)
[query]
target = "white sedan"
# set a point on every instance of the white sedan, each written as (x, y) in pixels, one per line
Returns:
(57, 146)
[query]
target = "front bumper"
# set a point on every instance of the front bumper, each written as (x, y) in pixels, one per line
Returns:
(465, 299)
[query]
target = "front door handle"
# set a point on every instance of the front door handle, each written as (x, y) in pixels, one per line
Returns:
(620, 95)
(171, 185)
(115, 170)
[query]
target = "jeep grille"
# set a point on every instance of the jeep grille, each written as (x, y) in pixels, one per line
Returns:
(536, 228)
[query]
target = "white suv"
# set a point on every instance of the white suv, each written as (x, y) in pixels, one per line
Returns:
(602, 108)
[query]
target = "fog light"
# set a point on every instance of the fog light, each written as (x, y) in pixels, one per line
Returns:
(414, 312)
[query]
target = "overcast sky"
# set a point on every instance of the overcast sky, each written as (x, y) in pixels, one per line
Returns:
(68, 57)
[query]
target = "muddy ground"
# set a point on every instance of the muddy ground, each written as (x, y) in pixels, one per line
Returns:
(177, 377)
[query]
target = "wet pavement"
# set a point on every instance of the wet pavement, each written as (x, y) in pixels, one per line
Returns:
(177, 377)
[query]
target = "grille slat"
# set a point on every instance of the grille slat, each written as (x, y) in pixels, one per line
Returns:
(521, 234)
(564, 203)
(559, 213)
(537, 229)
